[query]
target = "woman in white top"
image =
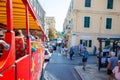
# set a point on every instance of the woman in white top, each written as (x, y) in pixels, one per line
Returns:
(116, 71)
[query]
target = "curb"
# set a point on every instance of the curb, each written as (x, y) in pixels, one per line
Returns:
(77, 74)
(90, 74)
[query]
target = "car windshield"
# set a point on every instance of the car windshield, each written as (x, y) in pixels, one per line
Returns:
(107, 47)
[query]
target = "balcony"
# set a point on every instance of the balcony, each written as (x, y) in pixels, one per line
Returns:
(39, 12)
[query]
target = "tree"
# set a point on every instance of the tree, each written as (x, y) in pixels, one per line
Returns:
(52, 33)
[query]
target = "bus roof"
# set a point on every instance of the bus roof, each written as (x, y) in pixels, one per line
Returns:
(19, 19)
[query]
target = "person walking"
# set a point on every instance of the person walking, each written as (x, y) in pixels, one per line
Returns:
(62, 49)
(118, 52)
(81, 47)
(116, 71)
(94, 50)
(65, 50)
(85, 57)
(71, 52)
(112, 62)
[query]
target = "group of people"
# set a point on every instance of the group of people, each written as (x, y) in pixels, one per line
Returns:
(64, 50)
(21, 51)
(20, 43)
(111, 61)
(84, 54)
(113, 67)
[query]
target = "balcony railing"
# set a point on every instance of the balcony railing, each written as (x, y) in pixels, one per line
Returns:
(40, 13)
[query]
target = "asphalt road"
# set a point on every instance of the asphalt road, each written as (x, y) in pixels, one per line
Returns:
(61, 68)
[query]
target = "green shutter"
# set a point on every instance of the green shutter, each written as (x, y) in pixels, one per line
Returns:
(108, 23)
(87, 3)
(80, 41)
(86, 43)
(86, 22)
(90, 43)
(110, 4)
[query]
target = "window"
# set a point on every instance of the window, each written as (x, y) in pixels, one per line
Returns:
(108, 23)
(87, 3)
(80, 41)
(110, 4)
(86, 22)
(87, 43)
(90, 43)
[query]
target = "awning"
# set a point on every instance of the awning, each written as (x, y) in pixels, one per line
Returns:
(85, 38)
(19, 19)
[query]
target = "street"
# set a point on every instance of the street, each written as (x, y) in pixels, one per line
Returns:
(61, 68)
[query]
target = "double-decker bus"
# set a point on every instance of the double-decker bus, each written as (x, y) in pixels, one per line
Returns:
(15, 15)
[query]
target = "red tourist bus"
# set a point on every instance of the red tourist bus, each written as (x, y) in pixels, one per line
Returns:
(14, 15)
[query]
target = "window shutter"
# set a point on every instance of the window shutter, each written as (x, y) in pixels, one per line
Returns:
(108, 23)
(86, 22)
(110, 4)
(87, 3)
(90, 43)
(80, 41)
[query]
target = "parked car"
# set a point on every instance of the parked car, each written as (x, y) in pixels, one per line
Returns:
(47, 55)
(106, 50)
(50, 48)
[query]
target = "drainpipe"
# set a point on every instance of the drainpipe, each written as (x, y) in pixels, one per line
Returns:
(100, 27)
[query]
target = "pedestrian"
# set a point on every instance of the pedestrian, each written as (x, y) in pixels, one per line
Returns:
(81, 47)
(62, 49)
(116, 71)
(85, 57)
(118, 52)
(94, 50)
(65, 50)
(71, 52)
(112, 62)
(98, 55)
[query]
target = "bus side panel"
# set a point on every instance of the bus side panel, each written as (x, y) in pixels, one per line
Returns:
(35, 65)
(9, 74)
(23, 68)
(42, 56)
(41, 59)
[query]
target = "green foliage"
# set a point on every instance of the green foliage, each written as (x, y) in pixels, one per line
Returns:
(52, 34)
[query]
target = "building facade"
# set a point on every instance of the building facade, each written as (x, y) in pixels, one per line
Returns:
(50, 24)
(87, 20)
(50, 21)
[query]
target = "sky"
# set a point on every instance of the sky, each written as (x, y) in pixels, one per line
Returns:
(57, 9)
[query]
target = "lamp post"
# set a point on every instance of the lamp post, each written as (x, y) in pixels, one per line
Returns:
(100, 50)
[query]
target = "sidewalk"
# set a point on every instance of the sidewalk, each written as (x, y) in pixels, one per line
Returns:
(91, 73)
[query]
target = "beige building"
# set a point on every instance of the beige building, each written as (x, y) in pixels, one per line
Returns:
(87, 20)
(49, 23)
